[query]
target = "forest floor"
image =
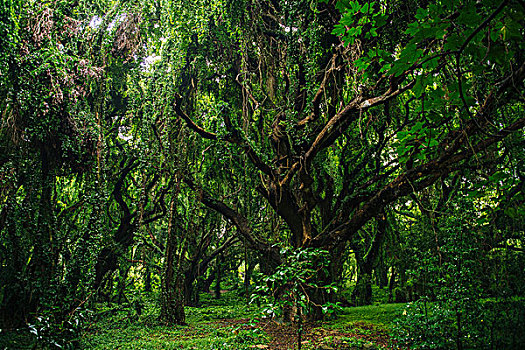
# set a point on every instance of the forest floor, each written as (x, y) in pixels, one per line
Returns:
(228, 323)
(225, 323)
(318, 335)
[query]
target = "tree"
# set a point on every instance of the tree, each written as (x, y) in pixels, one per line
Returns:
(179, 132)
(343, 108)
(45, 146)
(56, 61)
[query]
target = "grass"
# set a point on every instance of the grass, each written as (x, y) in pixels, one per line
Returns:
(383, 314)
(227, 323)
(204, 330)
(162, 337)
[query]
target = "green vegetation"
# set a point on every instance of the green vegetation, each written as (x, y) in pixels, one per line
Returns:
(314, 174)
(382, 314)
(207, 330)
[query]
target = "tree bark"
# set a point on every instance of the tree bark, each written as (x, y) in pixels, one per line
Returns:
(218, 277)
(362, 294)
(392, 284)
(147, 280)
(172, 293)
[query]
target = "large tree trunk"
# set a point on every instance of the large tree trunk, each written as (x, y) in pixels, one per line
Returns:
(206, 283)
(320, 296)
(189, 295)
(106, 263)
(172, 293)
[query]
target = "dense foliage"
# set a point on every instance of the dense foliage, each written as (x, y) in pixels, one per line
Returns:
(298, 151)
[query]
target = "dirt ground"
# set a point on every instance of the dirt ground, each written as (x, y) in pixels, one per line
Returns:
(284, 337)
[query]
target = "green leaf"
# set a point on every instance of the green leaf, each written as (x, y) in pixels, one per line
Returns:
(398, 68)
(469, 16)
(421, 14)
(355, 6)
(347, 19)
(338, 30)
(433, 143)
(417, 127)
(497, 176)
(453, 42)
(380, 20)
(419, 86)
(365, 8)
(401, 135)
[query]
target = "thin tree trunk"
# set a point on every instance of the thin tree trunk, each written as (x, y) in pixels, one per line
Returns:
(362, 294)
(218, 277)
(147, 280)
(391, 285)
(381, 273)
(250, 266)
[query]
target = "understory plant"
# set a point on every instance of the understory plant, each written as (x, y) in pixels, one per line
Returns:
(50, 332)
(287, 294)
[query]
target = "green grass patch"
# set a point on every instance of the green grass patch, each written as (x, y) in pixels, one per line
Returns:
(122, 329)
(383, 314)
(225, 323)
